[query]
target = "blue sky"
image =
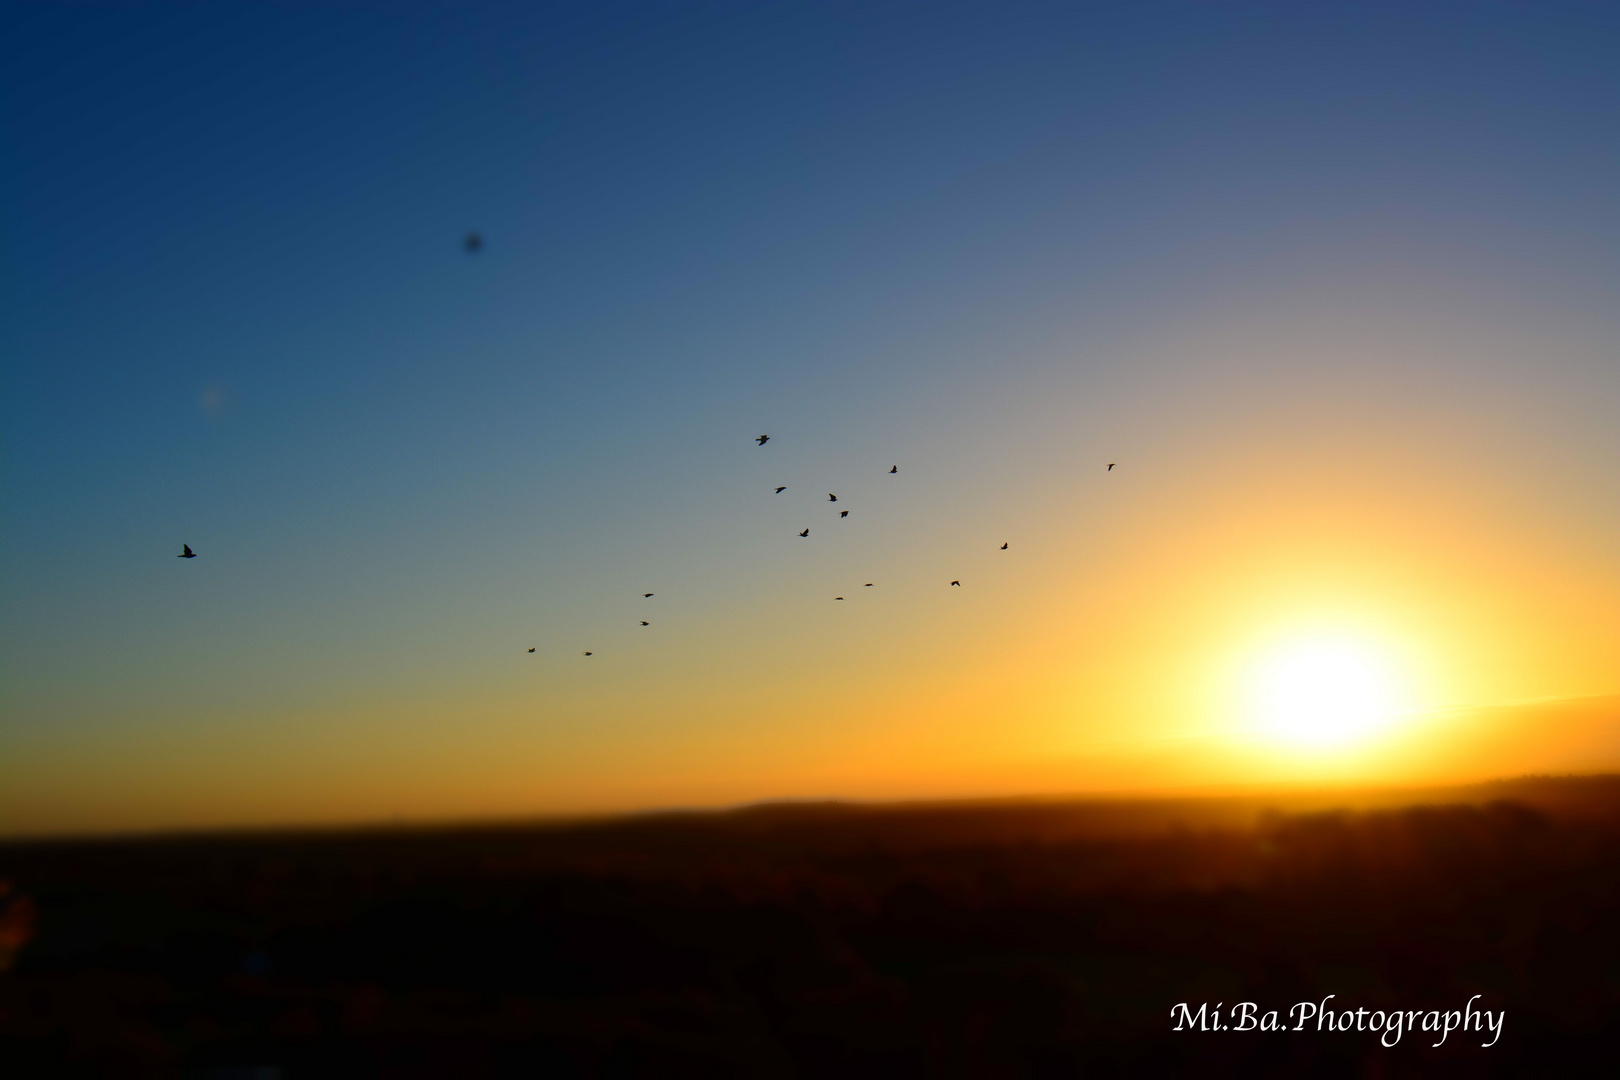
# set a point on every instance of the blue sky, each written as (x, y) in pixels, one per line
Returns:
(984, 242)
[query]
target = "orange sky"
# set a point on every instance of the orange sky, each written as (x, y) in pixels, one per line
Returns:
(1114, 646)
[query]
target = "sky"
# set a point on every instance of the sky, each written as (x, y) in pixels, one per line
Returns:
(1333, 286)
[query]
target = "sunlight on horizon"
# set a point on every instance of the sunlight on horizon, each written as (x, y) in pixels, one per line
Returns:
(1324, 692)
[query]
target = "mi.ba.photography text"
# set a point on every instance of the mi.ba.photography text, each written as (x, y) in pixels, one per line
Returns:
(1389, 1024)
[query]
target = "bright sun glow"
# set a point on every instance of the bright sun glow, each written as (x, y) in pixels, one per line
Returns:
(1324, 692)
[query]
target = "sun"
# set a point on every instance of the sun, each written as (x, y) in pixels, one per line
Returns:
(1324, 691)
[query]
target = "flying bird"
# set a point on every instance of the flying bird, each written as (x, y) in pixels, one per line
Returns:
(957, 583)
(587, 652)
(781, 489)
(843, 513)
(474, 243)
(831, 497)
(838, 598)
(805, 533)
(868, 584)
(762, 439)
(644, 622)
(531, 650)
(1111, 466)
(1003, 547)
(894, 468)
(187, 553)
(645, 595)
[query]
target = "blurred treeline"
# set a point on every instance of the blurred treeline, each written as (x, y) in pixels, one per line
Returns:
(1002, 939)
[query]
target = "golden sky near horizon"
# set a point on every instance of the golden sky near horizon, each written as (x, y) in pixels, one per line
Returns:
(1260, 593)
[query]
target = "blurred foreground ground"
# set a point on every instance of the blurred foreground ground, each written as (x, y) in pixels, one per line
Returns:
(1008, 939)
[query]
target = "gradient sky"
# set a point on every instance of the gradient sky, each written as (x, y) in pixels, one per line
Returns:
(1335, 285)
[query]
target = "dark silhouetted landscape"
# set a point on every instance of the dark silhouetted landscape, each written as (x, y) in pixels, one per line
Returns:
(1006, 939)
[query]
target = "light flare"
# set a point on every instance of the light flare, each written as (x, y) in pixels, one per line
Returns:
(1324, 692)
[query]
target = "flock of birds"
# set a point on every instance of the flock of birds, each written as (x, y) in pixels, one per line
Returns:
(473, 243)
(760, 440)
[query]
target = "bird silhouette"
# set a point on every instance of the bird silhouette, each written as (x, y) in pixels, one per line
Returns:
(645, 595)
(531, 650)
(831, 497)
(587, 652)
(838, 598)
(187, 553)
(1111, 466)
(474, 243)
(843, 513)
(644, 622)
(894, 468)
(781, 489)
(762, 439)
(805, 533)
(868, 584)
(957, 583)
(1003, 547)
